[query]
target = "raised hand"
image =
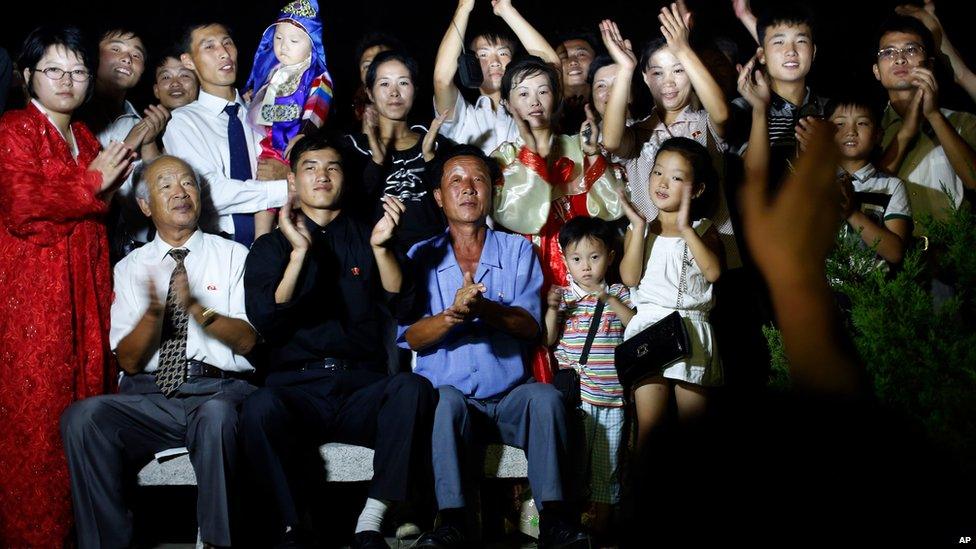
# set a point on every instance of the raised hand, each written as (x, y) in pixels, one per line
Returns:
(742, 9)
(156, 117)
(848, 199)
(555, 296)
(371, 127)
(928, 18)
(674, 27)
(393, 208)
(925, 81)
(791, 234)
(804, 127)
(184, 297)
(524, 131)
(753, 87)
(114, 163)
(468, 298)
(156, 307)
(912, 121)
(588, 133)
(620, 49)
(635, 217)
(683, 222)
(270, 169)
(500, 7)
(430, 140)
(293, 227)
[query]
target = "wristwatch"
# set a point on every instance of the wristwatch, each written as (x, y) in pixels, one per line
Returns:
(207, 317)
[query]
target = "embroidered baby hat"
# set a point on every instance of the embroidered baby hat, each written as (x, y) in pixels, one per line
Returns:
(303, 13)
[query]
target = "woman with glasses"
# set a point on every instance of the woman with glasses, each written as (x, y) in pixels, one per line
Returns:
(55, 187)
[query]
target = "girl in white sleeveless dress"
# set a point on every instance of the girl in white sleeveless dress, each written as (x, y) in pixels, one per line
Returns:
(674, 260)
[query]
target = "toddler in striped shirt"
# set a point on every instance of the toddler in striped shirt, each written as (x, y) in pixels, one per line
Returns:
(587, 244)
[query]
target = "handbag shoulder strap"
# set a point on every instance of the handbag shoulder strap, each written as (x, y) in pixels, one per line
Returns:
(591, 335)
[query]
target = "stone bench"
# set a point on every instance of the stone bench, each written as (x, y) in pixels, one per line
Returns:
(343, 463)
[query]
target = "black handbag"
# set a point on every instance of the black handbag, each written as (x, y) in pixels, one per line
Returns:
(567, 380)
(649, 352)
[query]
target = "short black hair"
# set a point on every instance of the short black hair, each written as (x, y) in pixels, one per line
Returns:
(784, 13)
(185, 43)
(315, 141)
(704, 173)
(527, 66)
(120, 31)
(494, 34)
(160, 60)
(392, 55)
(910, 25)
(434, 170)
(851, 98)
(584, 34)
(376, 38)
(598, 63)
(649, 49)
(578, 228)
(45, 36)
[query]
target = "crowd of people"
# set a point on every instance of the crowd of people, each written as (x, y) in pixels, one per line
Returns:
(226, 271)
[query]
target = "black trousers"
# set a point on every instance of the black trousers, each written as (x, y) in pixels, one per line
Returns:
(390, 414)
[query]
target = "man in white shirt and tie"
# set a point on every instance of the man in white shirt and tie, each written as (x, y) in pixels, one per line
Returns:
(212, 135)
(180, 333)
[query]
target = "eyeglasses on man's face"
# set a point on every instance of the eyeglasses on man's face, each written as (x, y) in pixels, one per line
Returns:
(911, 51)
(54, 73)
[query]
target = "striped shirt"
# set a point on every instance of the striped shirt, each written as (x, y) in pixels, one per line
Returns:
(598, 377)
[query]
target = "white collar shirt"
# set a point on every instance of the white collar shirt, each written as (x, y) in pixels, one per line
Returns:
(197, 133)
(479, 124)
(215, 273)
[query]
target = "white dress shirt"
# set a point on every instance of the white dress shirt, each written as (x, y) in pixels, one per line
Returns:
(215, 272)
(479, 124)
(136, 223)
(197, 133)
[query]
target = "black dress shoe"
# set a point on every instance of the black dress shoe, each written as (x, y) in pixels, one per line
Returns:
(562, 536)
(294, 538)
(444, 537)
(369, 539)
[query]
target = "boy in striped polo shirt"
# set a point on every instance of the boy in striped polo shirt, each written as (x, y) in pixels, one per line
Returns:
(587, 245)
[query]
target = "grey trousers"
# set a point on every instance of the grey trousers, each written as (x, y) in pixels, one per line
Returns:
(107, 435)
(531, 416)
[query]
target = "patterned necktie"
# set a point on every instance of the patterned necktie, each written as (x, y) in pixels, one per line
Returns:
(172, 351)
(240, 169)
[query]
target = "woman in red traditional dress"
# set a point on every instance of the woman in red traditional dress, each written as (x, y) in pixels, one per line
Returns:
(549, 178)
(55, 282)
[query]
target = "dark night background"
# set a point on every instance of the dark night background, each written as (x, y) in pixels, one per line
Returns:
(846, 29)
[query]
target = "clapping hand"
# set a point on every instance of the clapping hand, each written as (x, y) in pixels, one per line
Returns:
(293, 227)
(620, 49)
(114, 163)
(469, 298)
(371, 127)
(525, 132)
(636, 219)
(674, 27)
(753, 87)
(791, 233)
(588, 133)
(430, 140)
(383, 231)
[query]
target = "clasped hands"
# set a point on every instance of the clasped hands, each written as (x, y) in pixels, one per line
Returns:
(469, 302)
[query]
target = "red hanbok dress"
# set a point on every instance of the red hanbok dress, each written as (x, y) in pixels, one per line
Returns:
(56, 294)
(536, 198)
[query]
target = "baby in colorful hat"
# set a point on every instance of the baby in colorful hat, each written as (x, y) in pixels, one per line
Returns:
(290, 86)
